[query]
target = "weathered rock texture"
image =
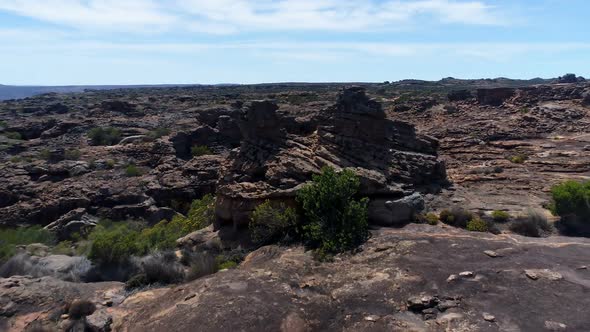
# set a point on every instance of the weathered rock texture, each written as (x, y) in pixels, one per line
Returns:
(272, 162)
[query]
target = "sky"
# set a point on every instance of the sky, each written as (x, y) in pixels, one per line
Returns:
(88, 42)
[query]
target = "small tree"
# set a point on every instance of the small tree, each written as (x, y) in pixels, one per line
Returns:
(335, 219)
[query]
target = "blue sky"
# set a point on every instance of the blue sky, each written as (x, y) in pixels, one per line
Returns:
(62, 42)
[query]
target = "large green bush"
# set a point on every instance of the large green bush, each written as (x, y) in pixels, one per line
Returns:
(572, 197)
(335, 220)
(104, 136)
(271, 223)
(12, 237)
(571, 201)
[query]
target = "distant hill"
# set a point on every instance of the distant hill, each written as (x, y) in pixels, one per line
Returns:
(18, 92)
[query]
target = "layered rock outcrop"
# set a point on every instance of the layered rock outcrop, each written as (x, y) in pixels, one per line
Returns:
(390, 158)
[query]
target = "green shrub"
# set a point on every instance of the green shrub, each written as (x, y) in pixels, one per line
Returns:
(500, 216)
(457, 217)
(73, 154)
(64, 248)
(114, 243)
(132, 171)
(164, 234)
(104, 136)
(524, 110)
(270, 224)
(477, 225)
(159, 132)
(533, 224)
(200, 150)
(13, 135)
(3, 124)
(431, 219)
(137, 281)
(12, 237)
(335, 220)
(571, 198)
(571, 201)
(45, 154)
(111, 163)
(227, 265)
(518, 159)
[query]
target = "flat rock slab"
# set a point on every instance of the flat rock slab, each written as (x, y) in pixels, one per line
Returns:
(543, 274)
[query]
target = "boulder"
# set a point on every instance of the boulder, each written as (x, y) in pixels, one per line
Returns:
(395, 212)
(75, 221)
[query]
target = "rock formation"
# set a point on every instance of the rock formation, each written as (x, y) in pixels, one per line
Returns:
(391, 160)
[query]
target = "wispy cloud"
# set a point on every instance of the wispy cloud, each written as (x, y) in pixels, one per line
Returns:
(234, 16)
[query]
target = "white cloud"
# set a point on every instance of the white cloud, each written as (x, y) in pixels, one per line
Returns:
(101, 14)
(292, 51)
(232, 16)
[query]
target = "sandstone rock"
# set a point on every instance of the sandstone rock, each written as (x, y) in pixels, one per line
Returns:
(419, 303)
(489, 318)
(100, 321)
(536, 274)
(555, 326)
(459, 95)
(388, 156)
(75, 221)
(494, 97)
(492, 253)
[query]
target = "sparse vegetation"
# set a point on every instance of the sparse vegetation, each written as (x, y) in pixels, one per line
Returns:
(518, 159)
(45, 154)
(13, 135)
(160, 267)
(132, 171)
(200, 150)
(72, 154)
(159, 132)
(533, 224)
(115, 243)
(111, 163)
(10, 238)
(500, 216)
(200, 264)
(335, 220)
(270, 223)
(457, 217)
(104, 136)
(477, 225)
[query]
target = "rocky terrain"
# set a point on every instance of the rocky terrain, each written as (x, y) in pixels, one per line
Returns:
(417, 147)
